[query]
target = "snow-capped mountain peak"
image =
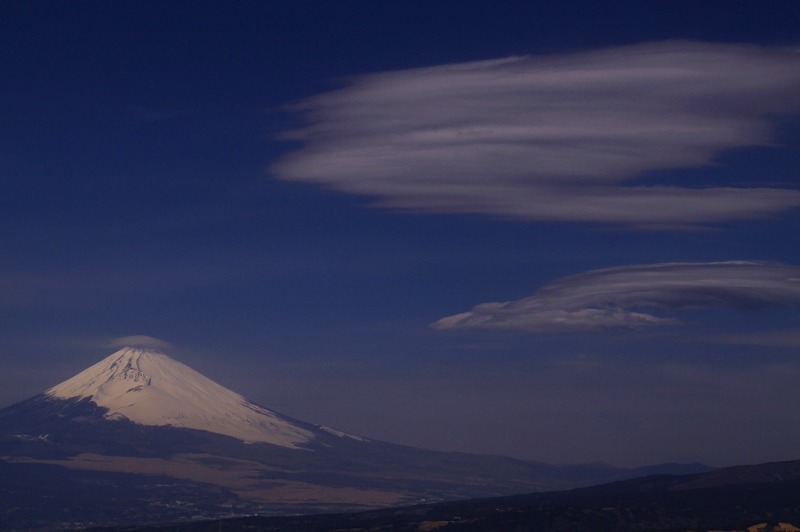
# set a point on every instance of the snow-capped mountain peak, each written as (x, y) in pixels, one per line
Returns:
(149, 388)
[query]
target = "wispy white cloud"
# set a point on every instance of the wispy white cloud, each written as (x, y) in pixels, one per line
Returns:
(636, 296)
(554, 137)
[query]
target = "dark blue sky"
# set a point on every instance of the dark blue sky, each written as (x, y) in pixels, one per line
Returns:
(562, 232)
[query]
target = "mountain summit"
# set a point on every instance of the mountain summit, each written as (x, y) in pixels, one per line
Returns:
(147, 387)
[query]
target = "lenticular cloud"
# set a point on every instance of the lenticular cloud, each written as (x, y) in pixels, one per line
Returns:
(632, 297)
(554, 137)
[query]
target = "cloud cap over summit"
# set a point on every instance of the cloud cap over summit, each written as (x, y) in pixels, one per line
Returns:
(139, 340)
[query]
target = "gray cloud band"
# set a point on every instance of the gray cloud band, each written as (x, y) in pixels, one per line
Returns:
(636, 296)
(553, 137)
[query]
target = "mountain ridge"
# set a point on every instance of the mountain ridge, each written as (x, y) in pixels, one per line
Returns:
(92, 428)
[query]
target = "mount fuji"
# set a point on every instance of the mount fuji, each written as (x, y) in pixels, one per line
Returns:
(149, 388)
(141, 438)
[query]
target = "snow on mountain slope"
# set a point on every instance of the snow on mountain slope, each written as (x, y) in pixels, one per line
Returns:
(149, 388)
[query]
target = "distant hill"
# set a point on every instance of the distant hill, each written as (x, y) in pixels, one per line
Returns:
(759, 497)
